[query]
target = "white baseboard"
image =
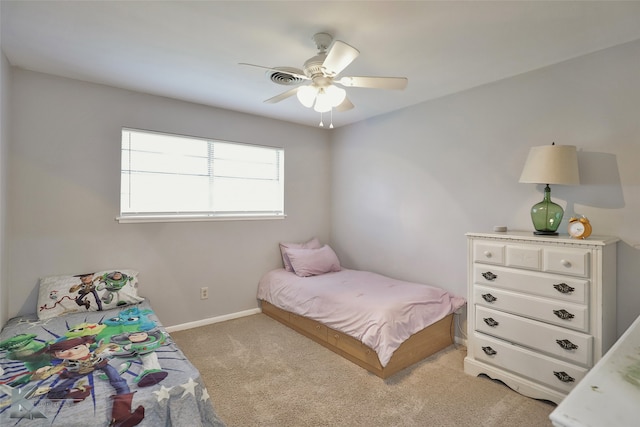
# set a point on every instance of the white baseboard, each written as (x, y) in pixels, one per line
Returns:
(218, 319)
(212, 320)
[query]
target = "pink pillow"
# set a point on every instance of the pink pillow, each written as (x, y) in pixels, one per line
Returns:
(311, 262)
(284, 247)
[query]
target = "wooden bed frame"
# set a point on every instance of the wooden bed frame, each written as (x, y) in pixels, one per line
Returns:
(422, 344)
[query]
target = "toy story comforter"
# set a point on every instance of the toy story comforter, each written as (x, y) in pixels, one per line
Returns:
(117, 367)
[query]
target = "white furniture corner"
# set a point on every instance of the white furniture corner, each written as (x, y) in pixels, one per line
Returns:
(541, 309)
(610, 393)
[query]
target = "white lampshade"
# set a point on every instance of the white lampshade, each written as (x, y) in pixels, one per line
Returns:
(328, 98)
(551, 164)
(306, 95)
(336, 95)
(323, 101)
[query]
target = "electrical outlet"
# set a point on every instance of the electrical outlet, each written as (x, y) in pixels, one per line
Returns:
(204, 293)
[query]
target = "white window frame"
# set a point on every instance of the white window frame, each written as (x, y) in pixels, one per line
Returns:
(275, 171)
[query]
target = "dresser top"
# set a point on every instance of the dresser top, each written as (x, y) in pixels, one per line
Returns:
(529, 236)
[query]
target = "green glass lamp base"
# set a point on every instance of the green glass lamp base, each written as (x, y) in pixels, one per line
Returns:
(546, 215)
(546, 233)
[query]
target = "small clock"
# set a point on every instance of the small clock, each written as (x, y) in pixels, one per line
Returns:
(579, 228)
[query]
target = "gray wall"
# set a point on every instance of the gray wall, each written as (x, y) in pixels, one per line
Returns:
(408, 185)
(5, 76)
(64, 172)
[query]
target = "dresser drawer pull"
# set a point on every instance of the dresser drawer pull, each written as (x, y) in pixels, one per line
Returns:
(489, 276)
(563, 314)
(488, 254)
(489, 351)
(567, 345)
(564, 377)
(489, 298)
(563, 288)
(565, 263)
(489, 321)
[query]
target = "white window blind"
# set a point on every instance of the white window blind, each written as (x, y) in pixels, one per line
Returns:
(166, 177)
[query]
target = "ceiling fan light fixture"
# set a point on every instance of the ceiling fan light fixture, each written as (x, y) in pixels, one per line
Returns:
(323, 102)
(336, 95)
(329, 97)
(306, 95)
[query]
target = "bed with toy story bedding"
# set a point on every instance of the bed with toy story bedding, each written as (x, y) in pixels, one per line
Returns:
(95, 353)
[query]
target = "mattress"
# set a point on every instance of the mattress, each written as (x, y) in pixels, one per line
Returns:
(379, 311)
(114, 367)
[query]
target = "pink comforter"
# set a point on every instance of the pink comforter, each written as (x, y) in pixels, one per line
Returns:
(378, 311)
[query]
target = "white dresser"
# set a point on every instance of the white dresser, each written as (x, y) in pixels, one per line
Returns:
(541, 309)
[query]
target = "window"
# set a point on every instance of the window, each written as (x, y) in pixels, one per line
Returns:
(179, 178)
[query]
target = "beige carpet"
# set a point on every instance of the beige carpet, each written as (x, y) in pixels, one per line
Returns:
(261, 373)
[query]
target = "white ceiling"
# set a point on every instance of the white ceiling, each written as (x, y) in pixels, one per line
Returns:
(191, 50)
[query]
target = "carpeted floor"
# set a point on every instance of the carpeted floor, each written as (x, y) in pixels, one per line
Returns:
(261, 373)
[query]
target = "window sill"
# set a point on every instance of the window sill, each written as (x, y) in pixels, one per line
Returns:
(194, 218)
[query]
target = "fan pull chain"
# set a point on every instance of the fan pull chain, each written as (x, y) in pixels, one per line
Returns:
(321, 124)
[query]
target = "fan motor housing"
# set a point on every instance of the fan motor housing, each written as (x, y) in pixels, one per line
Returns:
(313, 66)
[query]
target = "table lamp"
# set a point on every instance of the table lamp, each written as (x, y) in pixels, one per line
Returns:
(550, 164)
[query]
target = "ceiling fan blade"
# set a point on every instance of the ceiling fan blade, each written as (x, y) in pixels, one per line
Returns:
(283, 96)
(346, 105)
(397, 83)
(339, 57)
(278, 70)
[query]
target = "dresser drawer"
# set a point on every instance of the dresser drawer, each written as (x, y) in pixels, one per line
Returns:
(567, 261)
(488, 253)
(529, 257)
(542, 284)
(572, 346)
(553, 373)
(561, 313)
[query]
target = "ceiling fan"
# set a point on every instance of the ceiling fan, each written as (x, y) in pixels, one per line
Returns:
(322, 71)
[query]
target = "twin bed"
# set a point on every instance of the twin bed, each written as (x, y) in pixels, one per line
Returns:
(382, 324)
(95, 353)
